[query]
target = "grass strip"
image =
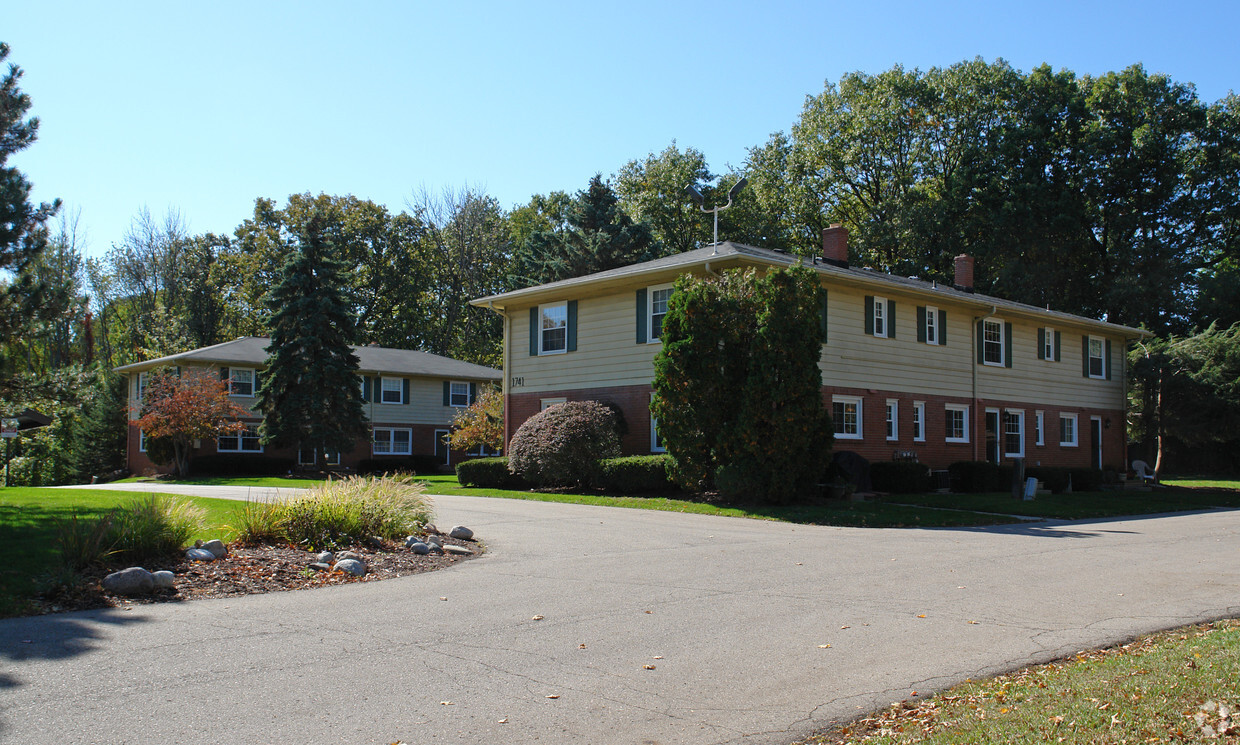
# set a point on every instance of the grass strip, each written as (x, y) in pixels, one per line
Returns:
(1079, 505)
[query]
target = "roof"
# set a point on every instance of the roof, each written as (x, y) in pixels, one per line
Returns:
(730, 254)
(252, 350)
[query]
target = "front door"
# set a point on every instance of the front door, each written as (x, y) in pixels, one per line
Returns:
(1095, 442)
(442, 453)
(992, 435)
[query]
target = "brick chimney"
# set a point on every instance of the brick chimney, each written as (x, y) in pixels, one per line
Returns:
(964, 273)
(835, 245)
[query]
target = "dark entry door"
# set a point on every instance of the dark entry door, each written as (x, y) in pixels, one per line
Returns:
(992, 436)
(1095, 442)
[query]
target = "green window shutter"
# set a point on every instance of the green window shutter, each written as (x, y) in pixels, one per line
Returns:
(641, 316)
(473, 392)
(1057, 338)
(1085, 356)
(378, 389)
(942, 328)
(921, 324)
(179, 371)
(257, 382)
(366, 387)
(1041, 343)
(1007, 344)
(534, 331)
(223, 373)
(891, 319)
(404, 390)
(1106, 360)
(981, 342)
(447, 393)
(869, 315)
(572, 325)
(822, 313)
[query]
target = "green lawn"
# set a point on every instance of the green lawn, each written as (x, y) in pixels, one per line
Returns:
(277, 481)
(1080, 505)
(28, 519)
(1204, 483)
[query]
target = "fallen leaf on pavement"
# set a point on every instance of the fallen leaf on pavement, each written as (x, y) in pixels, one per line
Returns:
(537, 618)
(647, 667)
(554, 695)
(504, 720)
(824, 646)
(446, 703)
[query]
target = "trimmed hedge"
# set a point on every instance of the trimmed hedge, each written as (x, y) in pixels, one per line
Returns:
(488, 473)
(1054, 478)
(973, 476)
(1086, 479)
(900, 478)
(240, 465)
(404, 464)
(637, 474)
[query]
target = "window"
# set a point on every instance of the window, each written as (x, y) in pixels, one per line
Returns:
(141, 441)
(308, 457)
(458, 394)
(919, 421)
(880, 316)
(483, 451)
(240, 380)
(1097, 362)
(846, 413)
(245, 441)
(1014, 433)
(142, 378)
(893, 419)
(1048, 344)
(392, 391)
(1067, 430)
(932, 325)
(992, 342)
(388, 441)
(553, 328)
(656, 441)
(957, 418)
(658, 309)
(547, 403)
(1039, 431)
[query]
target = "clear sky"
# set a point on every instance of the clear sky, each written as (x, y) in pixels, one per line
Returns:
(203, 107)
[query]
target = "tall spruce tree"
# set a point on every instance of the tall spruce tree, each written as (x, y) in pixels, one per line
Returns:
(309, 394)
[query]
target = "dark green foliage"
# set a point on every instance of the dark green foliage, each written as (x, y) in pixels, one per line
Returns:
(596, 235)
(637, 474)
(738, 393)
(562, 445)
(309, 393)
(404, 464)
(488, 473)
(974, 476)
(1052, 477)
(1086, 479)
(226, 464)
(900, 478)
(99, 443)
(153, 527)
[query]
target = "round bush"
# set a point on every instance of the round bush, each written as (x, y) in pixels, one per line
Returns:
(561, 446)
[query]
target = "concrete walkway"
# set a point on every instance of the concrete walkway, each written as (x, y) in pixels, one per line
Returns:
(731, 615)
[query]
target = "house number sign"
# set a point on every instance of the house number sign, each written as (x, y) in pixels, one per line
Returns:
(517, 381)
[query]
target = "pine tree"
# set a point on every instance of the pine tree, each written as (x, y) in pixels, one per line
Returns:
(309, 394)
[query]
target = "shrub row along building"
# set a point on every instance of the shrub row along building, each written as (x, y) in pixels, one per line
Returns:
(911, 370)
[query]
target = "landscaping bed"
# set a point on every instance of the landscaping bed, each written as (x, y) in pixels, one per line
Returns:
(247, 570)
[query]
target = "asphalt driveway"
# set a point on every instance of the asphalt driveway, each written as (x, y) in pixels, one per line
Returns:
(656, 628)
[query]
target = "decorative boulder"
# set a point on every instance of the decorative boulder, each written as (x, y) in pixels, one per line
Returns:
(199, 554)
(434, 540)
(326, 557)
(430, 528)
(131, 581)
(321, 566)
(458, 550)
(216, 547)
(350, 566)
(418, 547)
(349, 555)
(461, 532)
(163, 579)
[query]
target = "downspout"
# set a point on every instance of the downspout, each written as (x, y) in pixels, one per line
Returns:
(710, 271)
(994, 310)
(504, 369)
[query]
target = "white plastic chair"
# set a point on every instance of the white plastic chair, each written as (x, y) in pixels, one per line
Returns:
(1143, 470)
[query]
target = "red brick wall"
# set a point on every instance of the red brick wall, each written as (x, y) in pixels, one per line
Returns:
(634, 401)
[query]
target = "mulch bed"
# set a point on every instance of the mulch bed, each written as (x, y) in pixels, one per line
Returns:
(253, 569)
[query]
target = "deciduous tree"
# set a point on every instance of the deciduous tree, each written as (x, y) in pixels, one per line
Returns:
(186, 407)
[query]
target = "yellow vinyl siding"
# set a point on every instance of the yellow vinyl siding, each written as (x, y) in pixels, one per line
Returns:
(425, 405)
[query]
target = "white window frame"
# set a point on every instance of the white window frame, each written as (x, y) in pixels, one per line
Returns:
(331, 457)
(543, 329)
(651, 336)
(441, 437)
(948, 410)
(986, 325)
(655, 445)
(879, 312)
(547, 403)
(454, 392)
(483, 451)
(1075, 440)
(233, 382)
(1039, 423)
(391, 441)
(893, 420)
(932, 325)
(239, 439)
(1048, 344)
(141, 441)
(840, 424)
(1017, 415)
(142, 378)
(398, 389)
(919, 421)
(1101, 357)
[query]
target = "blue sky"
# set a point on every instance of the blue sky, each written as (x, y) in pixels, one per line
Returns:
(202, 107)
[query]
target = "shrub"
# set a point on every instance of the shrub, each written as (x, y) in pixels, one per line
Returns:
(405, 464)
(341, 513)
(488, 473)
(562, 445)
(633, 475)
(25, 471)
(240, 465)
(1052, 477)
(154, 527)
(1086, 479)
(899, 477)
(972, 476)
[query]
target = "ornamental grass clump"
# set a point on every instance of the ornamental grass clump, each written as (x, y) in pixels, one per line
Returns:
(345, 512)
(258, 522)
(84, 542)
(154, 527)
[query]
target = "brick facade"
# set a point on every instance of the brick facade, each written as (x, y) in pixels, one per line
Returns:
(934, 451)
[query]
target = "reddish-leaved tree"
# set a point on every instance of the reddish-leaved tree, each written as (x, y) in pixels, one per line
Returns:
(183, 408)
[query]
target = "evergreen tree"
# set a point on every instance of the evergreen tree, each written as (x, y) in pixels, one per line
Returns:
(309, 394)
(599, 235)
(99, 443)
